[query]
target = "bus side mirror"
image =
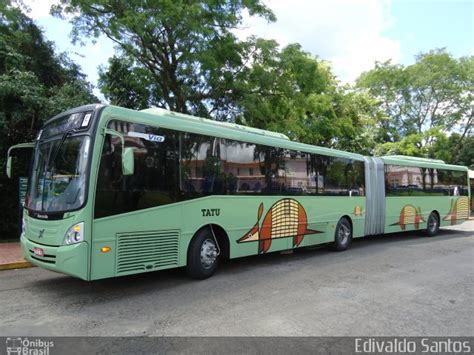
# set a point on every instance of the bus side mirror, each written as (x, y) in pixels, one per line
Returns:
(9, 155)
(128, 165)
(9, 167)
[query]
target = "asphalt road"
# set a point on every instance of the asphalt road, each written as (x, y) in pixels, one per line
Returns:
(402, 284)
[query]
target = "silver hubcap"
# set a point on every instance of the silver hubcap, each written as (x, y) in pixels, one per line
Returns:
(432, 223)
(208, 253)
(343, 234)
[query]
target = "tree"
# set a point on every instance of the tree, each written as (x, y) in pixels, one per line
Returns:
(35, 84)
(442, 147)
(425, 102)
(127, 85)
(436, 91)
(183, 56)
(290, 91)
(187, 47)
(456, 152)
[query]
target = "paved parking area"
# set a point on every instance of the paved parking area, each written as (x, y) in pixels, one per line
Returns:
(402, 284)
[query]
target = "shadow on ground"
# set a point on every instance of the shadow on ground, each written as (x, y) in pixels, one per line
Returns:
(109, 289)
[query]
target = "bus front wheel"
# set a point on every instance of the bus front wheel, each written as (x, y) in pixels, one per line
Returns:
(432, 226)
(343, 235)
(203, 255)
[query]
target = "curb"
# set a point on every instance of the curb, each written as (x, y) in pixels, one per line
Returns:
(16, 265)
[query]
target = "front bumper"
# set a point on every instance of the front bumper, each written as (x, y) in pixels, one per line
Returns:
(72, 260)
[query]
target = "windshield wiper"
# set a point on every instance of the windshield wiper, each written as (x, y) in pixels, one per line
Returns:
(52, 159)
(61, 142)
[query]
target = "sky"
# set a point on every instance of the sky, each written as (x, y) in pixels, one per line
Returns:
(349, 34)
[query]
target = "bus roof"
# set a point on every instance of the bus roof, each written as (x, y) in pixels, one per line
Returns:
(421, 162)
(90, 107)
(241, 128)
(173, 120)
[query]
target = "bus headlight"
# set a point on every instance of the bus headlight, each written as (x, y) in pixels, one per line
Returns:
(75, 234)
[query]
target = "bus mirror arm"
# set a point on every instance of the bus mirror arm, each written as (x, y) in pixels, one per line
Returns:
(128, 165)
(9, 167)
(9, 156)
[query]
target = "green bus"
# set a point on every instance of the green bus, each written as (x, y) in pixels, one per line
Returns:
(113, 192)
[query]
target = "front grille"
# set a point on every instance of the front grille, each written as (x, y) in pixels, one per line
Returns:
(146, 251)
(47, 229)
(47, 258)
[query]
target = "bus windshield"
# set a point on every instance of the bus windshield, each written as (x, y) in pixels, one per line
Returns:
(58, 176)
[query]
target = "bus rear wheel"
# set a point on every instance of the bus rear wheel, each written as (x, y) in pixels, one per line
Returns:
(203, 255)
(343, 235)
(432, 226)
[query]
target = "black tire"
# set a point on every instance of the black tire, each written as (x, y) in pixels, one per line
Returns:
(342, 235)
(432, 225)
(200, 265)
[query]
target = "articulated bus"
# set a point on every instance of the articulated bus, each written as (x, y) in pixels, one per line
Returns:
(115, 192)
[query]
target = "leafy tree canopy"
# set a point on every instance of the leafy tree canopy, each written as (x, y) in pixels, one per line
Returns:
(427, 104)
(295, 93)
(183, 55)
(35, 82)
(436, 91)
(187, 48)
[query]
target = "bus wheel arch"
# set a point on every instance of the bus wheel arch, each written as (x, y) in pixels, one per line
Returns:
(349, 219)
(208, 245)
(222, 238)
(433, 223)
(343, 233)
